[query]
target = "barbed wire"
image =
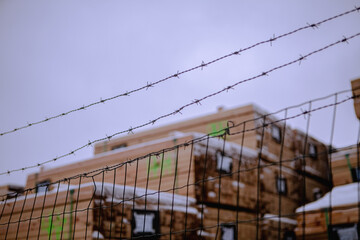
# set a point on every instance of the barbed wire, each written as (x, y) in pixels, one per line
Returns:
(217, 134)
(176, 75)
(194, 102)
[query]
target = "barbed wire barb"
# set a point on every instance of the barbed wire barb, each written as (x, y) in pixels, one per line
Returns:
(301, 58)
(272, 39)
(313, 25)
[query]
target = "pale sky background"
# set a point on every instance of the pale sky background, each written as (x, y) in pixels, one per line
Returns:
(59, 55)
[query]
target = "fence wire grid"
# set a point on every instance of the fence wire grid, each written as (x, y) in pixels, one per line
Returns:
(250, 179)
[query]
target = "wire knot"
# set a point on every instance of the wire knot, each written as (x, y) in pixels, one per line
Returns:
(149, 85)
(203, 64)
(178, 111)
(301, 58)
(130, 131)
(229, 88)
(197, 102)
(272, 39)
(313, 25)
(230, 124)
(176, 74)
(345, 40)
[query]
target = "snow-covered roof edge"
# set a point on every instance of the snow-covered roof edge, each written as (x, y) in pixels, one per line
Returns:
(107, 190)
(218, 143)
(346, 195)
(276, 218)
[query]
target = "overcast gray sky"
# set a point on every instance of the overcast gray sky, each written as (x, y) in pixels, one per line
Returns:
(59, 55)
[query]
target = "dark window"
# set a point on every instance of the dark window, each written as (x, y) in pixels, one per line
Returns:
(281, 185)
(344, 231)
(312, 151)
(289, 235)
(317, 193)
(14, 191)
(223, 163)
(355, 173)
(228, 231)
(276, 133)
(145, 223)
(119, 146)
(42, 186)
(15, 188)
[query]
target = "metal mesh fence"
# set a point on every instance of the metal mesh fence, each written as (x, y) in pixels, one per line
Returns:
(249, 178)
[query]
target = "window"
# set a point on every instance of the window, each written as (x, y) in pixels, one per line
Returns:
(123, 145)
(223, 163)
(42, 186)
(355, 173)
(276, 133)
(317, 193)
(312, 151)
(281, 185)
(345, 231)
(228, 232)
(145, 223)
(289, 235)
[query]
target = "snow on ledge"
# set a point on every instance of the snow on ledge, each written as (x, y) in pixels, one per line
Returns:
(276, 218)
(119, 192)
(345, 195)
